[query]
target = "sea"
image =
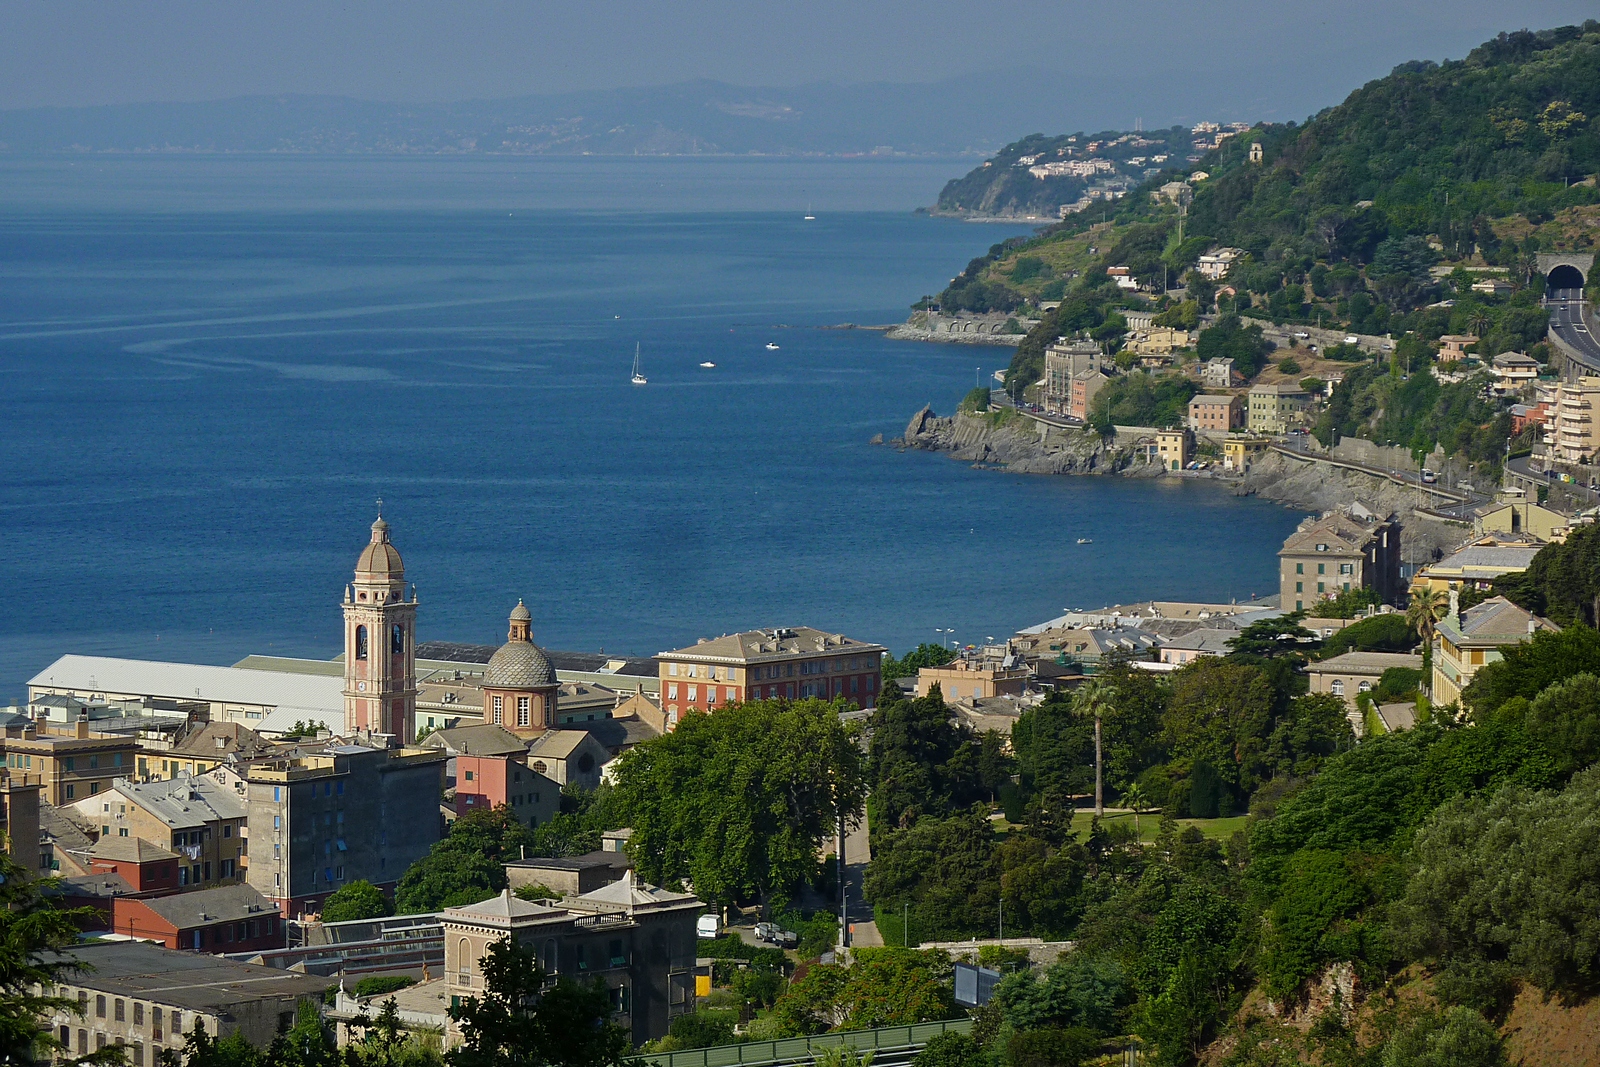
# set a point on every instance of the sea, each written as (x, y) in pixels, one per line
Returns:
(213, 368)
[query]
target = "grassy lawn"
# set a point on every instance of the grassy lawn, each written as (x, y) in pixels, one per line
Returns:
(1150, 823)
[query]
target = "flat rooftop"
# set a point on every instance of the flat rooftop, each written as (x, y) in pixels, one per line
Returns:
(192, 981)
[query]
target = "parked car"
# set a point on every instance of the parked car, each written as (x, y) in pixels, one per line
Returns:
(1302, 335)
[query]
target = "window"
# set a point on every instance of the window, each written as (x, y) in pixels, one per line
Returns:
(119, 1010)
(672, 690)
(277, 794)
(1347, 568)
(338, 789)
(1338, 687)
(100, 1007)
(70, 791)
(499, 710)
(1322, 568)
(138, 1055)
(672, 669)
(464, 963)
(728, 693)
(155, 1022)
(69, 763)
(469, 776)
(523, 714)
(138, 1013)
(397, 640)
(227, 830)
(1299, 587)
(693, 693)
(361, 642)
(1364, 687)
(1321, 587)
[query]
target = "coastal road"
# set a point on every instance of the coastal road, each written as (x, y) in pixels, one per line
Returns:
(1567, 320)
(1453, 503)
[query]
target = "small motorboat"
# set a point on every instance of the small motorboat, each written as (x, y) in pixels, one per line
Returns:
(771, 347)
(1085, 540)
(708, 364)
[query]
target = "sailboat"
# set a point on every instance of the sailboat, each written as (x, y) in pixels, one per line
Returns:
(809, 216)
(638, 379)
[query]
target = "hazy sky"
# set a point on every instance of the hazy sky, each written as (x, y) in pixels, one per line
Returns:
(1291, 56)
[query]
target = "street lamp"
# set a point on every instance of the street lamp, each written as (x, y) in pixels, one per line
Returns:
(943, 641)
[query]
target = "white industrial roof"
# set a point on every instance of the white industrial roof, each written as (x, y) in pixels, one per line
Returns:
(298, 695)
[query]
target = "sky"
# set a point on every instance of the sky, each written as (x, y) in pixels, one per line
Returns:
(1281, 58)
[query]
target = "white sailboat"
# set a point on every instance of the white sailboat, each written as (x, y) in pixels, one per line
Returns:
(638, 379)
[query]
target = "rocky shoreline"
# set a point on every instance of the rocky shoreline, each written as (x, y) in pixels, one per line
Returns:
(1008, 441)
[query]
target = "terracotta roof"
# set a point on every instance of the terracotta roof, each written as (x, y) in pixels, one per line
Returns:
(1343, 535)
(235, 738)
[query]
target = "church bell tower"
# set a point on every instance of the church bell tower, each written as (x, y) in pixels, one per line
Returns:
(380, 658)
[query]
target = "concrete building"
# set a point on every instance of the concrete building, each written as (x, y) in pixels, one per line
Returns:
(638, 940)
(1453, 346)
(148, 998)
(1218, 413)
(1512, 513)
(569, 757)
(975, 678)
(1275, 409)
(266, 701)
(1467, 641)
(1216, 263)
(1065, 361)
(1197, 644)
(205, 747)
(1218, 373)
(1238, 453)
(22, 835)
(1513, 370)
(1479, 562)
(569, 876)
(1576, 420)
(1174, 449)
(1342, 550)
(72, 767)
(192, 817)
(144, 865)
(1159, 341)
(228, 919)
(791, 664)
(329, 815)
(1354, 673)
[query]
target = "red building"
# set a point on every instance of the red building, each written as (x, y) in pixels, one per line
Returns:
(147, 867)
(490, 766)
(792, 664)
(232, 918)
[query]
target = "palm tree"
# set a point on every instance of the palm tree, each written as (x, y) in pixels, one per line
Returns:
(1134, 797)
(1095, 698)
(1479, 321)
(1422, 615)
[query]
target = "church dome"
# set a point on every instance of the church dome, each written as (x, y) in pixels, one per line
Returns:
(380, 559)
(518, 665)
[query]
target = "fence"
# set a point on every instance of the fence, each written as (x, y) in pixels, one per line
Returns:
(885, 1039)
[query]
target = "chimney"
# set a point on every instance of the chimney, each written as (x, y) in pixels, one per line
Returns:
(83, 724)
(1533, 624)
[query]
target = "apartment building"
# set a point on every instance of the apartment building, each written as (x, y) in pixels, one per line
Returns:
(1065, 363)
(638, 940)
(71, 767)
(976, 678)
(789, 664)
(1216, 412)
(1467, 641)
(1575, 421)
(1275, 409)
(147, 999)
(327, 815)
(197, 819)
(232, 918)
(1342, 550)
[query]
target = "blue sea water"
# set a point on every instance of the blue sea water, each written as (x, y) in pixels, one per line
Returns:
(210, 369)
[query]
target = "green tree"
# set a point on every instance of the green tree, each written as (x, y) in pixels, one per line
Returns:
(1095, 699)
(466, 866)
(1229, 338)
(880, 987)
(33, 936)
(1381, 633)
(523, 1020)
(739, 802)
(1454, 1037)
(1526, 670)
(356, 900)
(924, 655)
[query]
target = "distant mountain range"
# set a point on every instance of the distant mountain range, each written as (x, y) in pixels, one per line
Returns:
(957, 116)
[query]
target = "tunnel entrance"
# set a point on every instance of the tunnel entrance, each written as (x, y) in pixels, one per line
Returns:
(1564, 276)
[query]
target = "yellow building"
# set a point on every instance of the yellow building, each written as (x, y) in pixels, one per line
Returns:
(1573, 432)
(81, 764)
(1467, 641)
(1172, 446)
(1160, 341)
(1513, 513)
(974, 678)
(1275, 408)
(1478, 563)
(1239, 452)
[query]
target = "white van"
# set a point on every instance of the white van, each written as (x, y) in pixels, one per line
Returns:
(707, 925)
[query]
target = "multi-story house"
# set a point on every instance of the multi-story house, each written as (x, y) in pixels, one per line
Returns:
(148, 999)
(327, 815)
(71, 767)
(199, 820)
(1342, 550)
(1467, 641)
(232, 918)
(1216, 412)
(1063, 362)
(791, 664)
(1573, 432)
(638, 940)
(1216, 263)
(489, 767)
(1275, 408)
(1173, 448)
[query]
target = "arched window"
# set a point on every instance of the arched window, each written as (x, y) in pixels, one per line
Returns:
(550, 956)
(1338, 687)
(397, 640)
(464, 963)
(361, 642)
(1364, 687)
